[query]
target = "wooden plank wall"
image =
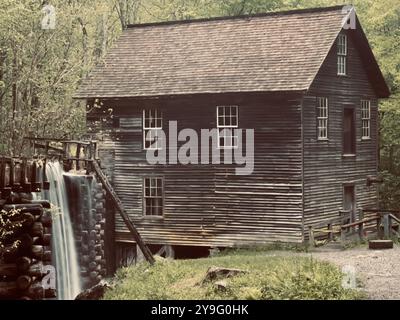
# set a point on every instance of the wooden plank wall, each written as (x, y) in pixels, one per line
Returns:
(325, 170)
(208, 205)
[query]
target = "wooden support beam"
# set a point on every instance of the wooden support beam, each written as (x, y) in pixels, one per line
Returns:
(120, 207)
(24, 171)
(11, 183)
(78, 154)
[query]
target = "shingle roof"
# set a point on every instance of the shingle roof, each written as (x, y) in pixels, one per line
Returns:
(268, 52)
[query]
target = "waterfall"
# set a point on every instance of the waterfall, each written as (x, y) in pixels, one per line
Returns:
(63, 243)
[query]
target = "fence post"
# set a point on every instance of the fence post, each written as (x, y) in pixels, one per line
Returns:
(378, 227)
(342, 236)
(330, 234)
(311, 236)
(386, 226)
(361, 231)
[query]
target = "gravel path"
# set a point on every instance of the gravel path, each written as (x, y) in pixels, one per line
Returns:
(378, 270)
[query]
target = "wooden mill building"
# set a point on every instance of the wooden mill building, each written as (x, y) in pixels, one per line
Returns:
(303, 80)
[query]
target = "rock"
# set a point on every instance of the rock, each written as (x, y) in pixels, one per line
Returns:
(94, 293)
(221, 285)
(214, 273)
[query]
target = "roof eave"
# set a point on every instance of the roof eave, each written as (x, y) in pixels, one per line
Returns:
(370, 63)
(160, 96)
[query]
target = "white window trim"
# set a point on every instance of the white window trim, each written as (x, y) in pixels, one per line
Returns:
(232, 127)
(159, 113)
(366, 106)
(342, 56)
(326, 118)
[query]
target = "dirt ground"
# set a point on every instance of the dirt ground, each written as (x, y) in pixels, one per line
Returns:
(378, 270)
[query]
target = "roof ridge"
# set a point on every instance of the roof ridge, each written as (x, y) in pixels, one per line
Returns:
(246, 16)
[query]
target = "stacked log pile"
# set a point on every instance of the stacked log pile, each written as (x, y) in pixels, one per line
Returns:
(89, 234)
(25, 238)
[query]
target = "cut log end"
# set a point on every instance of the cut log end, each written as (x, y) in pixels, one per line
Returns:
(380, 244)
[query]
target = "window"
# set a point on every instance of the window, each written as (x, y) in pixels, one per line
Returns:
(342, 54)
(152, 122)
(153, 196)
(227, 120)
(349, 132)
(322, 118)
(366, 118)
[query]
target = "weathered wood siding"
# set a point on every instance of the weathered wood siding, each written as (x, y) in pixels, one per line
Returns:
(208, 205)
(325, 169)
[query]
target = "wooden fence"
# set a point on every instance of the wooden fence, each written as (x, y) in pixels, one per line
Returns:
(384, 223)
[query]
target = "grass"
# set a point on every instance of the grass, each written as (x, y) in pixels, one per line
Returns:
(267, 277)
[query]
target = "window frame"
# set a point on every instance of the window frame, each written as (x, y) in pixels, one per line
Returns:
(144, 197)
(342, 43)
(222, 127)
(145, 129)
(366, 119)
(322, 118)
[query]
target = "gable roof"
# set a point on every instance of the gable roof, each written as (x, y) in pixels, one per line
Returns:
(270, 52)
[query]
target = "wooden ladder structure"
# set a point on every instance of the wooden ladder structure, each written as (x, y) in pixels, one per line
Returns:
(120, 207)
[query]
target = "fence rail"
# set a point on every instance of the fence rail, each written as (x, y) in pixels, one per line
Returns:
(386, 224)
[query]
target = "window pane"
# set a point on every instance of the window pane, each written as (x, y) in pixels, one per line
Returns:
(322, 118)
(153, 196)
(234, 121)
(152, 120)
(221, 141)
(227, 118)
(342, 44)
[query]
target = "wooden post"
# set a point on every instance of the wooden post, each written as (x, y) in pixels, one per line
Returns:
(95, 151)
(342, 236)
(78, 154)
(390, 223)
(11, 172)
(378, 227)
(361, 231)
(46, 150)
(44, 170)
(386, 230)
(311, 236)
(330, 234)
